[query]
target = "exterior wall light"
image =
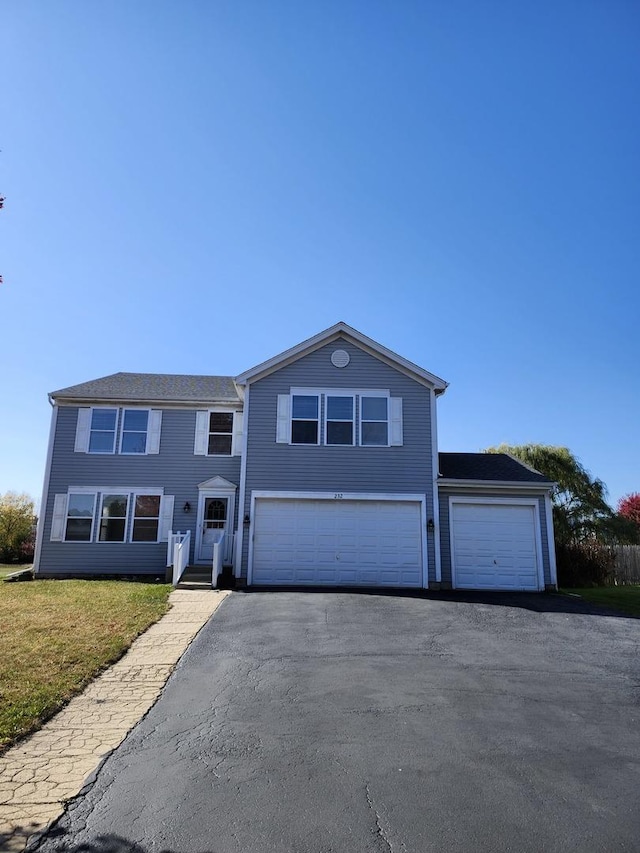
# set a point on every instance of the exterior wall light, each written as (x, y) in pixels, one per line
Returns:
(186, 507)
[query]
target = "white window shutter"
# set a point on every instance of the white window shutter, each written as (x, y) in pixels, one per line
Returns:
(59, 518)
(166, 517)
(153, 431)
(83, 428)
(283, 428)
(237, 433)
(395, 425)
(202, 434)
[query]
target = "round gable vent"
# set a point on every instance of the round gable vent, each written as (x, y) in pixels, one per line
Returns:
(340, 358)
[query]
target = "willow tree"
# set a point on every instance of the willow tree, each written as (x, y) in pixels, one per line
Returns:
(580, 508)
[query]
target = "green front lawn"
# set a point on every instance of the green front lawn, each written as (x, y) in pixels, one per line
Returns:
(623, 598)
(57, 635)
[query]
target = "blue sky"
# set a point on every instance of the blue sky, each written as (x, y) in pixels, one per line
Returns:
(192, 187)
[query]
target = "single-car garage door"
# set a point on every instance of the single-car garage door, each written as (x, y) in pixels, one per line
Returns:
(333, 542)
(494, 546)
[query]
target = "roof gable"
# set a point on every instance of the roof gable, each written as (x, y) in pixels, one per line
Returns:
(341, 331)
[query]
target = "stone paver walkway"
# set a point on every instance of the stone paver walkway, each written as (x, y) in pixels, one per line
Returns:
(42, 772)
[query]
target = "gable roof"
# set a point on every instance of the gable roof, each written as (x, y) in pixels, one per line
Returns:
(341, 331)
(148, 387)
(500, 467)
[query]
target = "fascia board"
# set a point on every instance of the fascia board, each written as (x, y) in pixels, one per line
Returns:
(165, 404)
(357, 338)
(494, 484)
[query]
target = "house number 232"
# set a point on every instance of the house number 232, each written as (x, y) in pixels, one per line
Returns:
(337, 496)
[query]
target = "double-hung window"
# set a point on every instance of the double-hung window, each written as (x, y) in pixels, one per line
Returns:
(305, 416)
(108, 430)
(339, 419)
(95, 514)
(102, 437)
(334, 417)
(79, 517)
(220, 433)
(113, 518)
(374, 421)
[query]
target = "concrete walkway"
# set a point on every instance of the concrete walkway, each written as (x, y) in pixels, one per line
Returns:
(42, 772)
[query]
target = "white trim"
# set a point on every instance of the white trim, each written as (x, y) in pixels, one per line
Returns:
(217, 482)
(491, 501)
(551, 541)
(97, 517)
(435, 463)
(237, 558)
(118, 490)
(494, 484)
(311, 393)
(227, 493)
(111, 452)
(351, 421)
(94, 517)
(45, 491)
(203, 432)
(341, 331)
(120, 422)
(344, 496)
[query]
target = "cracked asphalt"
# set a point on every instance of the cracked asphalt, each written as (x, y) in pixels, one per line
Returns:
(327, 722)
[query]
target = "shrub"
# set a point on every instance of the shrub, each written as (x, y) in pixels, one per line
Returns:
(585, 564)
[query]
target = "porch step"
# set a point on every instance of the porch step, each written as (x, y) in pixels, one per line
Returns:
(197, 574)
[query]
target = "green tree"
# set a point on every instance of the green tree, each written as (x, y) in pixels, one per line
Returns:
(580, 509)
(17, 521)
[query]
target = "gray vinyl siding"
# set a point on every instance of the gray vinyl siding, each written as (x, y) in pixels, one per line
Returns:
(175, 468)
(445, 528)
(283, 467)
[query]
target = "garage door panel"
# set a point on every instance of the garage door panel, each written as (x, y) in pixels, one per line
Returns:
(350, 541)
(494, 546)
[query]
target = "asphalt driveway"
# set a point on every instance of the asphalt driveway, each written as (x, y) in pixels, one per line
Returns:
(344, 723)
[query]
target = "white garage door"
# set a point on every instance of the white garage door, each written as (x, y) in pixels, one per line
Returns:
(348, 542)
(494, 546)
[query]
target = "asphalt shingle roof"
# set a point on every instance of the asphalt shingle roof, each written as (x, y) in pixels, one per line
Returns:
(153, 386)
(487, 466)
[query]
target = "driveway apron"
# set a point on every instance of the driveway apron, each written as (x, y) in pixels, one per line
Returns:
(335, 722)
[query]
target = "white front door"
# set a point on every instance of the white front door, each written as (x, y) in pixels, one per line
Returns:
(214, 518)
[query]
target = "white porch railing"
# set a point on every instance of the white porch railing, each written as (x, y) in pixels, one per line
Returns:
(218, 554)
(227, 554)
(181, 543)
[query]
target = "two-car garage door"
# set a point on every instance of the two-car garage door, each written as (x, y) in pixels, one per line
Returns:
(337, 541)
(494, 545)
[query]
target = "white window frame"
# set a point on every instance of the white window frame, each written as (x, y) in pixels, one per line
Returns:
(80, 491)
(305, 393)
(351, 421)
(104, 494)
(361, 420)
(131, 492)
(357, 394)
(145, 494)
(122, 430)
(84, 430)
(230, 433)
(115, 430)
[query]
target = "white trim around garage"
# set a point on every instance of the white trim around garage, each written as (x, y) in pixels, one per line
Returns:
(505, 501)
(344, 496)
(553, 571)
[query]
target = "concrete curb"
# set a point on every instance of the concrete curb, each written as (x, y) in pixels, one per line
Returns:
(41, 774)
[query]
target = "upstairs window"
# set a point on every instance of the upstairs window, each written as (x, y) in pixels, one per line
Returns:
(220, 433)
(374, 422)
(102, 437)
(135, 423)
(109, 430)
(339, 420)
(304, 419)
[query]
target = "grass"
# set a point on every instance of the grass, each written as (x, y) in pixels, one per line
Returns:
(626, 599)
(9, 568)
(57, 635)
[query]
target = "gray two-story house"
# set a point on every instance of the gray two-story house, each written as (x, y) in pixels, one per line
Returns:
(320, 466)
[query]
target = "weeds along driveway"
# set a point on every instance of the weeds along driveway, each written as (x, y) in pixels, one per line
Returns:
(339, 722)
